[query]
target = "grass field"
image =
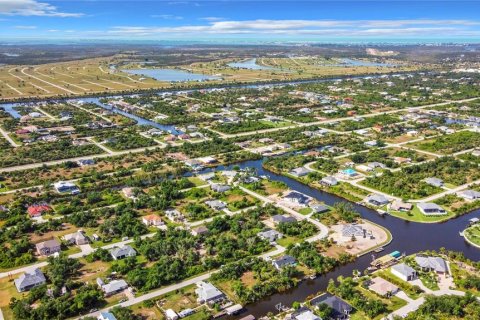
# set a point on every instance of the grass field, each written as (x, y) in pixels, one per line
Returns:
(90, 76)
(416, 216)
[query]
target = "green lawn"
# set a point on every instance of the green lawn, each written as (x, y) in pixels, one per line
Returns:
(416, 216)
(404, 285)
(472, 234)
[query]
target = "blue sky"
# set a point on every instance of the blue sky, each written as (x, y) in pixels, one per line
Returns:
(327, 21)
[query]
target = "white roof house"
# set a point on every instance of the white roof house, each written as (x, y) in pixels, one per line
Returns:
(404, 272)
(469, 194)
(29, 280)
(431, 209)
(207, 292)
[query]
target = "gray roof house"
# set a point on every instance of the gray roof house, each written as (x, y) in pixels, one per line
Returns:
(220, 187)
(319, 208)
(329, 181)
(431, 209)
(216, 204)
(404, 272)
(299, 172)
(118, 253)
(297, 197)
(279, 218)
(434, 182)
(48, 247)
(113, 287)
(340, 308)
(270, 235)
(29, 280)
(208, 293)
(469, 194)
(284, 261)
(350, 230)
(377, 199)
(436, 264)
(77, 238)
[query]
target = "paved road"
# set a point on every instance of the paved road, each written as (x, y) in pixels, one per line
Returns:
(7, 137)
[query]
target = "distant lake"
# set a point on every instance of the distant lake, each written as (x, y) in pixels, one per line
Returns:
(361, 63)
(170, 75)
(249, 64)
(10, 109)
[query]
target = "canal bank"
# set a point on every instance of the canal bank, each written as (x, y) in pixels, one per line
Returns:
(408, 237)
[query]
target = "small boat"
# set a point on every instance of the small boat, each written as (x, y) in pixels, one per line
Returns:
(313, 277)
(381, 212)
(461, 233)
(379, 249)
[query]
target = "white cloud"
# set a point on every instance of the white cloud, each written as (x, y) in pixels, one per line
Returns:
(313, 27)
(25, 27)
(32, 8)
(166, 16)
(212, 18)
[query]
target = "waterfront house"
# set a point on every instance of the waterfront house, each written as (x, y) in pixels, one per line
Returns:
(119, 253)
(377, 199)
(340, 308)
(350, 230)
(208, 293)
(284, 261)
(304, 313)
(29, 280)
(319, 208)
(399, 205)
(404, 272)
(48, 247)
(329, 181)
(436, 264)
(431, 209)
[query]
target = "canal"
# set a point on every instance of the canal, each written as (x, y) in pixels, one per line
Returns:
(408, 237)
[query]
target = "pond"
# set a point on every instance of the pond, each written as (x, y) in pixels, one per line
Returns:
(171, 75)
(10, 109)
(362, 63)
(249, 64)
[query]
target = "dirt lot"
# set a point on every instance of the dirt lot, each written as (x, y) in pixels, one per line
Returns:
(360, 244)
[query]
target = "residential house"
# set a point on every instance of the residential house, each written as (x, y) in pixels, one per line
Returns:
(270, 235)
(113, 287)
(66, 187)
(77, 238)
(279, 218)
(431, 209)
(199, 231)
(48, 247)
(106, 316)
(36, 210)
(329, 181)
(86, 162)
(174, 215)
(436, 264)
(29, 280)
(399, 205)
(297, 198)
(377, 199)
(220, 187)
(129, 193)
(152, 220)
(350, 230)
(304, 313)
(319, 208)
(340, 308)
(382, 287)
(216, 204)
(404, 272)
(171, 315)
(469, 195)
(299, 172)
(434, 182)
(208, 293)
(284, 261)
(119, 253)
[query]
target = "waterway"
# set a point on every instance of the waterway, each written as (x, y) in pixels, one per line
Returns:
(171, 75)
(408, 237)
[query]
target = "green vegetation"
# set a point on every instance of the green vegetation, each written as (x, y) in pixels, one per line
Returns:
(451, 143)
